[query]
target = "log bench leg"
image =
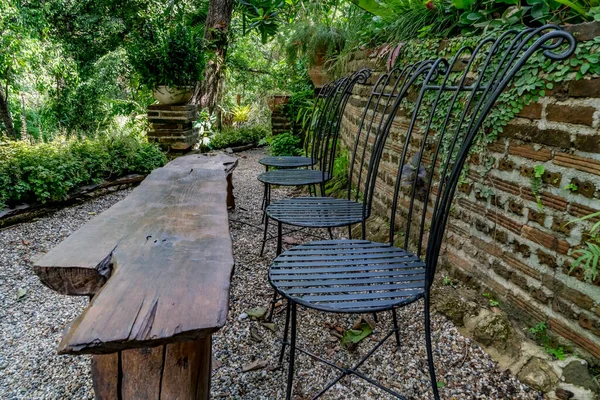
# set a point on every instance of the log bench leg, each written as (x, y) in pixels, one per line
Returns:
(230, 196)
(178, 371)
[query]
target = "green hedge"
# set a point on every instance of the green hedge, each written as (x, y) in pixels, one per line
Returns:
(49, 171)
(232, 137)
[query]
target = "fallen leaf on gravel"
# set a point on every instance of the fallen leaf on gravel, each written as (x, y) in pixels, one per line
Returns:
(291, 240)
(255, 335)
(254, 365)
(92, 213)
(21, 292)
(354, 336)
(257, 312)
(269, 325)
(216, 364)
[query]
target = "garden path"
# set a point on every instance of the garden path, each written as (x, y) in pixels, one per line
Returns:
(31, 326)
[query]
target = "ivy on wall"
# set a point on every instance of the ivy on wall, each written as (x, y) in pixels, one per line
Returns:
(532, 82)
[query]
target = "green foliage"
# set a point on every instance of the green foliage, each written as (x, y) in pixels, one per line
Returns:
(571, 187)
(300, 107)
(262, 15)
(537, 184)
(241, 114)
(491, 300)
(447, 281)
(167, 50)
(540, 335)
(232, 137)
(49, 171)
(317, 42)
(285, 144)
(588, 256)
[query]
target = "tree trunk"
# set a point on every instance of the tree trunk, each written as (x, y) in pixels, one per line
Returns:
(5, 115)
(215, 35)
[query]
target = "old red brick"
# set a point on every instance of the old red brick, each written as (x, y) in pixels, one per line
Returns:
(563, 330)
(532, 111)
(517, 264)
(585, 88)
(587, 143)
(580, 115)
(580, 163)
(528, 151)
(545, 239)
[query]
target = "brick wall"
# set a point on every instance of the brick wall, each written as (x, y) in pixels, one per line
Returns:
(498, 236)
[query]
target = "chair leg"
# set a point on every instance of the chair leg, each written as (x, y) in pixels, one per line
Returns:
(269, 316)
(264, 241)
(330, 233)
(290, 379)
(279, 238)
(263, 206)
(323, 189)
(430, 364)
(364, 230)
(285, 332)
(396, 329)
(349, 231)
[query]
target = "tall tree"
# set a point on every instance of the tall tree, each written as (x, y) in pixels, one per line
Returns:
(216, 30)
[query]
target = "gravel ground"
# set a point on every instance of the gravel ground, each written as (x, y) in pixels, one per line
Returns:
(30, 327)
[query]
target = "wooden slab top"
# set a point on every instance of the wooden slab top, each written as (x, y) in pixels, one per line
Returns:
(159, 262)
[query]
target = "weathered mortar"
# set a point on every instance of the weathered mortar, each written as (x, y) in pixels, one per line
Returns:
(497, 234)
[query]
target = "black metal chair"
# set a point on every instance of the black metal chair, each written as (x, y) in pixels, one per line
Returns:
(360, 276)
(327, 212)
(324, 146)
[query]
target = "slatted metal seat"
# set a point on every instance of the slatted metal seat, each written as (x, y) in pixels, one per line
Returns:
(324, 143)
(350, 276)
(321, 212)
(294, 177)
(287, 161)
(358, 276)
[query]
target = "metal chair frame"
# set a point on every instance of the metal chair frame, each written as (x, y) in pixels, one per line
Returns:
(324, 145)
(354, 276)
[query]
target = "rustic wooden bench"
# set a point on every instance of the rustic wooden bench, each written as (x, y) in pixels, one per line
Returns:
(158, 265)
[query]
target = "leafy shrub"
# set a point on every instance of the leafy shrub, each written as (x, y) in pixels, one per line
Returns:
(167, 51)
(49, 171)
(285, 144)
(232, 137)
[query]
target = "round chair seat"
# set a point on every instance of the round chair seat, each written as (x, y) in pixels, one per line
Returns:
(287, 161)
(348, 276)
(316, 212)
(294, 177)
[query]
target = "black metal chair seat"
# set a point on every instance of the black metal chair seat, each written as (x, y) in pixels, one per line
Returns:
(318, 212)
(294, 177)
(287, 161)
(348, 276)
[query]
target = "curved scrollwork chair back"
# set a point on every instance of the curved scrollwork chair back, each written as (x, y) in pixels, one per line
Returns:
(379, 108)
(327, 151)
(453, 99)
(456, 101)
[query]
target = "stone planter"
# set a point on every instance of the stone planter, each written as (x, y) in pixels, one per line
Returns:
(319, 76)
(169, 96)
